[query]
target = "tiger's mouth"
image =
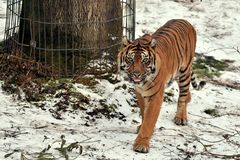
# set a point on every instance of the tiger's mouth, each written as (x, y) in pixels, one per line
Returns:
(137, 80)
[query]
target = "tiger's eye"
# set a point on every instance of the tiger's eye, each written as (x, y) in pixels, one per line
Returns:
(145, 61)
(129, 60)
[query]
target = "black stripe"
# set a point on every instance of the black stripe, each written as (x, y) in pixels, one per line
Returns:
(183, 95)
(168, 39)
(184, 91)
(145, 82)
(183, 23)
(178, 35)
(177, 39)
(180, 31)
(185, 85)
(185, 78)
(194, 85)
(186, 66)
(153, 81)
(155, 93)
(190, 46)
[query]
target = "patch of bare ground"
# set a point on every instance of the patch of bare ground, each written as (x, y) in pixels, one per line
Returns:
(233, 69)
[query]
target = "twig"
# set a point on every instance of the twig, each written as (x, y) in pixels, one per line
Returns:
(237, 49)
(86, 141)
(14, 134)
(226, 137)
(226, 48)
(110, 148)
(238, 132)
(216, 155)
(211, 19)
(227, 114)
(14, 151)
(40, 127)
(215, 126)
(232, 114)
(201, 116)
(168, 153)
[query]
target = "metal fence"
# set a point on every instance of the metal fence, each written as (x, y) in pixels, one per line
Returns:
(68, 37)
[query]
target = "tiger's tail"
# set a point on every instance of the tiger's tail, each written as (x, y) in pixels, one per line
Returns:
(194, 83)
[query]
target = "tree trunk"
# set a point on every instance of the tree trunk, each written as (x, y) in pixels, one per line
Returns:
(65, 33)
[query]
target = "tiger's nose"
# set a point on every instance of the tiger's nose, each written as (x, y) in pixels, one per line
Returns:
(136, 74)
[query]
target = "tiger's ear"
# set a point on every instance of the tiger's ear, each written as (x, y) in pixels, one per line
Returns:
(125, 41)
(153, 43)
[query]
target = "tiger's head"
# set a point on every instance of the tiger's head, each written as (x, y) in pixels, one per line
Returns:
(138, 59)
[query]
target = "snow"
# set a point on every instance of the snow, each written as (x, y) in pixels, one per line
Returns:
(28, 129)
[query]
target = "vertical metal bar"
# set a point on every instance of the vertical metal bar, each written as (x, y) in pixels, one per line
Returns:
(10, 23)
(126, 10)
(79, 53)
(72, 36)
(24, 19)
(39, 32)
(44, 39)
(13, 17)
(66, 26)
(59, 46)
(7, 27)
(30, 28)
(130, 17)
(33, 32)
(134, 19)
(18, 14)
(51, 35)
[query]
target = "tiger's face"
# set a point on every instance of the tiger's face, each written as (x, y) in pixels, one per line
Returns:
(137, 60)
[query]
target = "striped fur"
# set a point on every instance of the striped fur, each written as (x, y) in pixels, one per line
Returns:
(151, 62)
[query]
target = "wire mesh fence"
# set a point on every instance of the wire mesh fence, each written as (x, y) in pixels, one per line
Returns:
(68, 37)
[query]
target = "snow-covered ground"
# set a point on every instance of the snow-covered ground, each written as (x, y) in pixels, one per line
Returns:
(26, 130)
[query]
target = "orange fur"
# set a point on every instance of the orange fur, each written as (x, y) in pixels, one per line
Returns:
(170, 52)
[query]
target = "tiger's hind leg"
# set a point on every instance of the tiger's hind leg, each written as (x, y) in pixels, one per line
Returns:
(183, 99)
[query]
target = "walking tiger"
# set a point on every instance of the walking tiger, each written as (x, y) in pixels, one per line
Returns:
(151, 62)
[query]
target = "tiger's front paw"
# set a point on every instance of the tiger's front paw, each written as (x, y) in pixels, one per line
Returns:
(141, 145)
(180, 121)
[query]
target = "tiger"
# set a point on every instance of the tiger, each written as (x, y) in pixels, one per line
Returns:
(151, 62)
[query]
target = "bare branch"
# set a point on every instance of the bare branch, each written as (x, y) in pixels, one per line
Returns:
(216, 155)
